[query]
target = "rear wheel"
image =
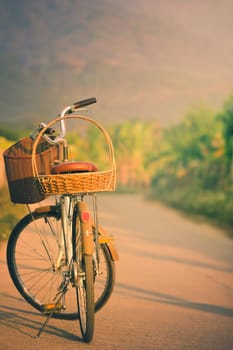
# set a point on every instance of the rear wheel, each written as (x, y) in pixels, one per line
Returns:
(105, 281)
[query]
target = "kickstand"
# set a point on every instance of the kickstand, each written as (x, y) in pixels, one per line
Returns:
(62, 293)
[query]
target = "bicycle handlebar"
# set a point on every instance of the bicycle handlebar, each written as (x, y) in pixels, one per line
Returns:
(65, 111)
(83, 103)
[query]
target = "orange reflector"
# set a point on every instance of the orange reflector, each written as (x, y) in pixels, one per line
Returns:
(85, 216)
(53, 307)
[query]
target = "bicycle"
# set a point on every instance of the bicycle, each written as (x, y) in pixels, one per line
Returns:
(59, 258)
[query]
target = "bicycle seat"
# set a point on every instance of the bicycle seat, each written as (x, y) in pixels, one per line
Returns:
(74, 167)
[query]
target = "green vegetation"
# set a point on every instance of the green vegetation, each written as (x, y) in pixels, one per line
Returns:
(11, 134)
(188, 166)
(195, 165)
(10, 213)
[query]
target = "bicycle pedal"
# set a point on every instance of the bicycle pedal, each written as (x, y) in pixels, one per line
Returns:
(53, 307)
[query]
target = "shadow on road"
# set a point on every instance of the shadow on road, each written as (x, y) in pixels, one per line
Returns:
(185, 261)
(135, 292)
(28, 322)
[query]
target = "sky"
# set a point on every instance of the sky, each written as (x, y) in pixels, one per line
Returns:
(146, 59)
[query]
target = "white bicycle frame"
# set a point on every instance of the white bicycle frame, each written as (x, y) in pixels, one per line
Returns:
(65, 234)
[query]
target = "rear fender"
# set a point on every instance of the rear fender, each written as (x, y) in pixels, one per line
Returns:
(103, 237)
(108, 240)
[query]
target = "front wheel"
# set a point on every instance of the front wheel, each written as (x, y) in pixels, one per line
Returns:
(85, 298)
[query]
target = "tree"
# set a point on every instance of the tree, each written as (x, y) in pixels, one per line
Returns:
(227, 119)
(134, 142)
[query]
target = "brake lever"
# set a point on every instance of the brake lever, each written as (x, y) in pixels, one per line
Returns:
(50, 131)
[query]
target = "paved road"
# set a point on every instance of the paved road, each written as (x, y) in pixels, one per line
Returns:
(174, 287)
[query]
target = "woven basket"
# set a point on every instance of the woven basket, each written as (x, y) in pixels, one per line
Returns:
(18, 164)
(74, 183)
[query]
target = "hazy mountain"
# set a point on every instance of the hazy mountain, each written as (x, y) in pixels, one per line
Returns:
(141, 59)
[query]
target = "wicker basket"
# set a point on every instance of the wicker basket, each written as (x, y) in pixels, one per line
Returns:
(98, 181)
(18, 163)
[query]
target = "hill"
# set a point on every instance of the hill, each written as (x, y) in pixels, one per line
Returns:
(144, 59)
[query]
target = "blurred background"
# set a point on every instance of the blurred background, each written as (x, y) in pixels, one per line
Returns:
(162, 74)
(149, 59)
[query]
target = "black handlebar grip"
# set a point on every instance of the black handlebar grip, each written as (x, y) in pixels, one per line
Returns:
(83, 103)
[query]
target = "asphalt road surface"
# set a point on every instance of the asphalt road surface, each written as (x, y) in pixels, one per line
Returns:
(174, 287)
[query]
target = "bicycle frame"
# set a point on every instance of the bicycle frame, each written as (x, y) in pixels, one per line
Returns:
(67, 204)
(65, 236)
(103, 238)
(70, 206)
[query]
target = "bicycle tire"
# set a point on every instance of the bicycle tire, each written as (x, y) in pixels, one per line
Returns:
(104, 286)
(84, 275)
(30, 266)
(85, 299)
